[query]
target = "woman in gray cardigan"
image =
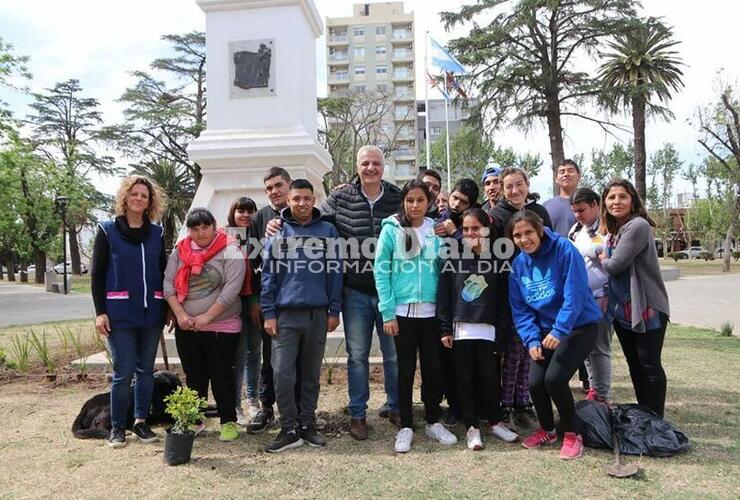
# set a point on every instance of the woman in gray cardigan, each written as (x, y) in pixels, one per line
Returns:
(638, 302)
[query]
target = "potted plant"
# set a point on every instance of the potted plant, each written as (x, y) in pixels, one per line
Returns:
(186, 408)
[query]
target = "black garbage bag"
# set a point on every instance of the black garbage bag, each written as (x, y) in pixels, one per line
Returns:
(642, 431)
(593, 421)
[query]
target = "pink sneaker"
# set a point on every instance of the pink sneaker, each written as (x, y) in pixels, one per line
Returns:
(539, 438)
(572, 446)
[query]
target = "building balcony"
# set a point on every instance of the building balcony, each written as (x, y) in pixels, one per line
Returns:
(405, 171)
(339, 39)
(402, 36)
(339, 58)
(402, 56)
(403, 76)
(404, 96)
(338, 78)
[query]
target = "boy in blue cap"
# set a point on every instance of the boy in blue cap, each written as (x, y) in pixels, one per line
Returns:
(491, 180)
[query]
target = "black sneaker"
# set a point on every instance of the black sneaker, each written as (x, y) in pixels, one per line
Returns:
(384, 411)
(117, 437)
(312, 437)
(263, 419)
(451, 419)
(285, 440)
(144, 433)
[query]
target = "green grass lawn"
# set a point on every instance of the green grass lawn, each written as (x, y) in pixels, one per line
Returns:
(39, 457)
(699, 267)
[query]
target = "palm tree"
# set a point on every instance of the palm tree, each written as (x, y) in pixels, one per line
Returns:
(641, 65)
(179, 186)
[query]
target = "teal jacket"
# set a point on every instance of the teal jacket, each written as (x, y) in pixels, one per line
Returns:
(405, 277)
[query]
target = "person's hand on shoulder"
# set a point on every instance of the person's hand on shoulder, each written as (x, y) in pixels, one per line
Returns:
(273, 227)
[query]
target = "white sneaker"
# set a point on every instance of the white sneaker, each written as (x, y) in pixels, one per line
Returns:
(473, 439)
(253, 407)
(241, 419)
(439, 433)
(503, 433)
(404, 438)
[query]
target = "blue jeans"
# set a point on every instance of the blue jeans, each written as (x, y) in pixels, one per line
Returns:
(248, 359)
(133, 351)
(360, 314)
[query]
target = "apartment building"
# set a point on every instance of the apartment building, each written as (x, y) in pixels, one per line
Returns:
(372, 53)
(458, 112)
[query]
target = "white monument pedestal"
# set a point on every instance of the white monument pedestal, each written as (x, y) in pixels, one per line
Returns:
(261, 67)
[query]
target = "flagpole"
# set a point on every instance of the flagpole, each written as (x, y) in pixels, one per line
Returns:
(426, 101)
(447, 145)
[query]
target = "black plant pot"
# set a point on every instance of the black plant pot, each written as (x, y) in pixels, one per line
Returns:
(178, 447)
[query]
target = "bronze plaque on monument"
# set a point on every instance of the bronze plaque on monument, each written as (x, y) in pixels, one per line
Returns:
(252, 68)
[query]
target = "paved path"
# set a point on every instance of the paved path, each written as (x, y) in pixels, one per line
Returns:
(28, 304)
(705, 301)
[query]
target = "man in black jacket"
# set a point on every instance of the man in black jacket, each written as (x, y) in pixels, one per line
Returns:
(357, 211)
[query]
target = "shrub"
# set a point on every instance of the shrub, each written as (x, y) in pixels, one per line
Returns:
(42, 349)
(678, 256)
(186, 408)
(726, 329)
(20, 349)
(707, 255)
(736, 256)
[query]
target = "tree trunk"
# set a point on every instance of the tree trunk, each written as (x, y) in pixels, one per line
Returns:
(638, 127)
(10, 263)
(74, 250)
(734, 214)
(555, 133)
(40, 261)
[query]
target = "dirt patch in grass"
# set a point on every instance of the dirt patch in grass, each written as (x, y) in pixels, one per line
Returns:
(39, 456)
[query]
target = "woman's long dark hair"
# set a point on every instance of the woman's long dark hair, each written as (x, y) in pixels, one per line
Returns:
(242, 203)
(638, 206)
(528, 216)
(403, 219)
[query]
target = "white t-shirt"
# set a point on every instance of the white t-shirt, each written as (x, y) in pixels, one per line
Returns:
(473, 331)
(590, 247)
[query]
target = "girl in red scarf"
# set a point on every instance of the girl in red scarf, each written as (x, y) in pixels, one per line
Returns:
(203, 279)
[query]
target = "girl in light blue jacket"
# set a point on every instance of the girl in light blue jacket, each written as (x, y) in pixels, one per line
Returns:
(407, 267)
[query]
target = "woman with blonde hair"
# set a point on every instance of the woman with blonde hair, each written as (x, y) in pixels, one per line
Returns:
(128, 266)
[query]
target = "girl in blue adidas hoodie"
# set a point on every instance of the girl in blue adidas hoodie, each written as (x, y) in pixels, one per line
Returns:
(406, 269)
(557, 319)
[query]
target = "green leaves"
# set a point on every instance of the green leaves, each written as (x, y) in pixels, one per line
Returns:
(186, 408)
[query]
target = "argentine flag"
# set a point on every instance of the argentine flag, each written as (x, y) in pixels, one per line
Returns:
(443, 60)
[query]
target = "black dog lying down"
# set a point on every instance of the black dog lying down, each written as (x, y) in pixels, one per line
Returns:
(94, 419)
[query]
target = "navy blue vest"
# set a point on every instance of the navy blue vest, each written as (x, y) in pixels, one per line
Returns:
(133, 280)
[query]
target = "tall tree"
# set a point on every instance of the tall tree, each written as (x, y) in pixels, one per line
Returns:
(66, 128)
(720, 136)
(351, 121)
(663, 168)
(607, 165)
(524, 59)
(179, 188)
(13, 71)
(640, 67)
(35, 185)
(692, 173)
(166, 111)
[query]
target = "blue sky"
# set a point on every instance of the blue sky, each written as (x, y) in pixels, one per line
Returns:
(99, 42)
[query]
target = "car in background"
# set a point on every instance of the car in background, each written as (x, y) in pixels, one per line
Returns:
(59, 268)
(696, 252)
